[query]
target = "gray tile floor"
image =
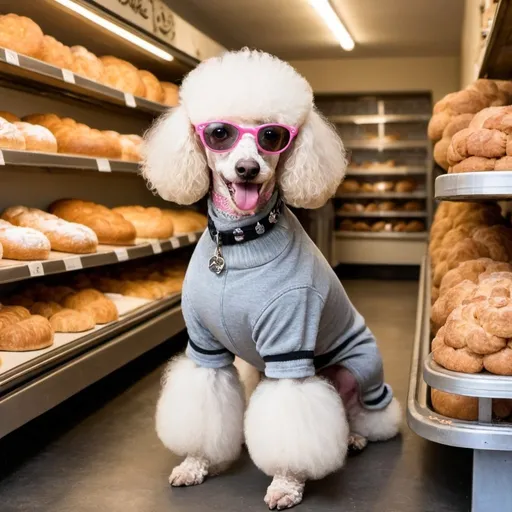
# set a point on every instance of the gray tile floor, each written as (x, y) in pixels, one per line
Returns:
(98, 451)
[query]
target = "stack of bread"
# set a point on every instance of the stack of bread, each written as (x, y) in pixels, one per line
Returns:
(24, 36)
(356, 186)
(374, 165)
(485, 145)
(455, 111)
(413, 226)
(15, 134)
(471, 251)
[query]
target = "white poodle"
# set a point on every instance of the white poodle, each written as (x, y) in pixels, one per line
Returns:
(247, 132)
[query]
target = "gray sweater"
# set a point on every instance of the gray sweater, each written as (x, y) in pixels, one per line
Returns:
(279, 306)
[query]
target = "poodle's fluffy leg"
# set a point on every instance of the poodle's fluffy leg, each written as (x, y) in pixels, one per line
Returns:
(356, 443)
(379, 425)
(249, 376)
(295, 430)
(285, 491)
(200, 415)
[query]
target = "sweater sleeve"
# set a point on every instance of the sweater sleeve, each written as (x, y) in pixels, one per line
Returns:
(202, 347)
(286, 331)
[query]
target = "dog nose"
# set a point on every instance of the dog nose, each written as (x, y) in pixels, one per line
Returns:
(247, 169)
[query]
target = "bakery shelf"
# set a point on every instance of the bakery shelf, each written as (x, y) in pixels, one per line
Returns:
(377, 119)
(382, 195)
(49, 377)
(61, 161)
(496, 60)
(383, 145)
(383, 235)
(480, 384)
(472, 186)
(36, 74)
(11, 270)
(388, 171)
(491, 442)
(386, 215)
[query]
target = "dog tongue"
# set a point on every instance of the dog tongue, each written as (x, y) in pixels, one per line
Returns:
(246, 195)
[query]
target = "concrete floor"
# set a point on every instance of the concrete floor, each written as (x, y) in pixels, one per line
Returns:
(98, 451)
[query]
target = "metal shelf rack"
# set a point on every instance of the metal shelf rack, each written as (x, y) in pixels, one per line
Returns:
(388, 171)
(384, 215)
(473, 186)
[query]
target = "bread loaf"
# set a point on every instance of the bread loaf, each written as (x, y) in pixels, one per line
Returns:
(186, 221)
(94, 303)
(86, 63)
(23, 243)
(37, 138)
(10, 315)
(10, 136)
(46, 309)
(122, 75)
(55, 53)
(154, 90)
(149, 222)
(69, 320)
(110, 227)
(64, 236)
(20, 34)
(33, 333)
(171, 92)
(10, 117)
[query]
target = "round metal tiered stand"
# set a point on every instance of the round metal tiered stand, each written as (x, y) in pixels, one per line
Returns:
(490, 441)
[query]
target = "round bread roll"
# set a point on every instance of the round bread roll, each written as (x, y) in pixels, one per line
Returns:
(20, 34)
(383, 186)
(454, 406)
(154, 90)
(186, 221)
(415, 226)
(37, 138)
(86, 63)
(379, 226)
(8, 116)
(55, 53)
(69, 320)
(46, 120)
(10, 136)
(171, 94)
(349, 186)
(361, 226)
(122, 75)
(130, 150)
(405, 186)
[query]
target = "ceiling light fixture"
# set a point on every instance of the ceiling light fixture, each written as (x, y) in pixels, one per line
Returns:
(116, 29)
(331, 19)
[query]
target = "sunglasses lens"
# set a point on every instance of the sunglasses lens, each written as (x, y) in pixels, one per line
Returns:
(220, 136)
(273, 138)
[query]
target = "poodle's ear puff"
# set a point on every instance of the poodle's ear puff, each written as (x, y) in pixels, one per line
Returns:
(174, 164)
(313, 170)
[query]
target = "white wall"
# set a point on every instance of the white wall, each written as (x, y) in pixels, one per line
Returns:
(440, 75)
(470, 42)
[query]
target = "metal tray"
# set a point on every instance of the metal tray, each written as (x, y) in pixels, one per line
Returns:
(473, 186)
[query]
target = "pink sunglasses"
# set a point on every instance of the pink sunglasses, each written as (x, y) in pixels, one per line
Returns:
(221, 136)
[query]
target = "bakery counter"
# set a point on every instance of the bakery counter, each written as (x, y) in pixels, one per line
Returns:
(474, 186)
(491, 442)
(384, 214)
(33, 382)
(37, 75)
(19, 158)
(412, 170)
(58, 262)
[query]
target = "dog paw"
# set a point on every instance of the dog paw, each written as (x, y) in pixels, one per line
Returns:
(284, 492)
(356, 443)
(192, 471)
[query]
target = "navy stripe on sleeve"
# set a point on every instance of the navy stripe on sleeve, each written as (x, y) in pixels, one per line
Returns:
(205, 351)
(379, 399)
(290, 356)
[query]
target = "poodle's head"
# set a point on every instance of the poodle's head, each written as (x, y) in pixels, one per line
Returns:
(246, 89)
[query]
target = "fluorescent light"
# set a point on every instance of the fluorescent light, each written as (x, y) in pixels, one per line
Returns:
(331, 19)
(116, 29)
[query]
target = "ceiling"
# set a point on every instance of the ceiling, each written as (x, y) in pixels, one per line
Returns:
(292, 29)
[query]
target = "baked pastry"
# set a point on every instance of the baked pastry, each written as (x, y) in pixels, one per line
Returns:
(20, 34)
(361, 226)
(55, 53)
(454, 406)
(10, 315)
(110, 227)
(387, 206)
(154, 90)
(171, 94)
(52, 293)
(46, 309)
(405, 186)
(23, 243)
(122, 75)
(412, 206)
(64, 236)
(9, 116)
(34, 333)
(37, 138)
(187, 221)
(94, 303)
(370, 207)
(149, 222)
(367, 187)
(379, 226)
(414, 226)
(400, 227)
(383, 186)
(347, 225)
(69, 320)
(86, 63)
(10, 136)
(350, 186)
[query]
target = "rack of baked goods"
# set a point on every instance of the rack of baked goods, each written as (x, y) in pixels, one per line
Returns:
(27, 54)
(461, 383)
(407, 187)
(387, 167)
(77, 234)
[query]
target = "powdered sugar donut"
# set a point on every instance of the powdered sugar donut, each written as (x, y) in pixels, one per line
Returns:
(10, 136)
(37, 137)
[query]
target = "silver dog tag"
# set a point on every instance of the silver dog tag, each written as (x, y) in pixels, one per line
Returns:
(217, 262)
